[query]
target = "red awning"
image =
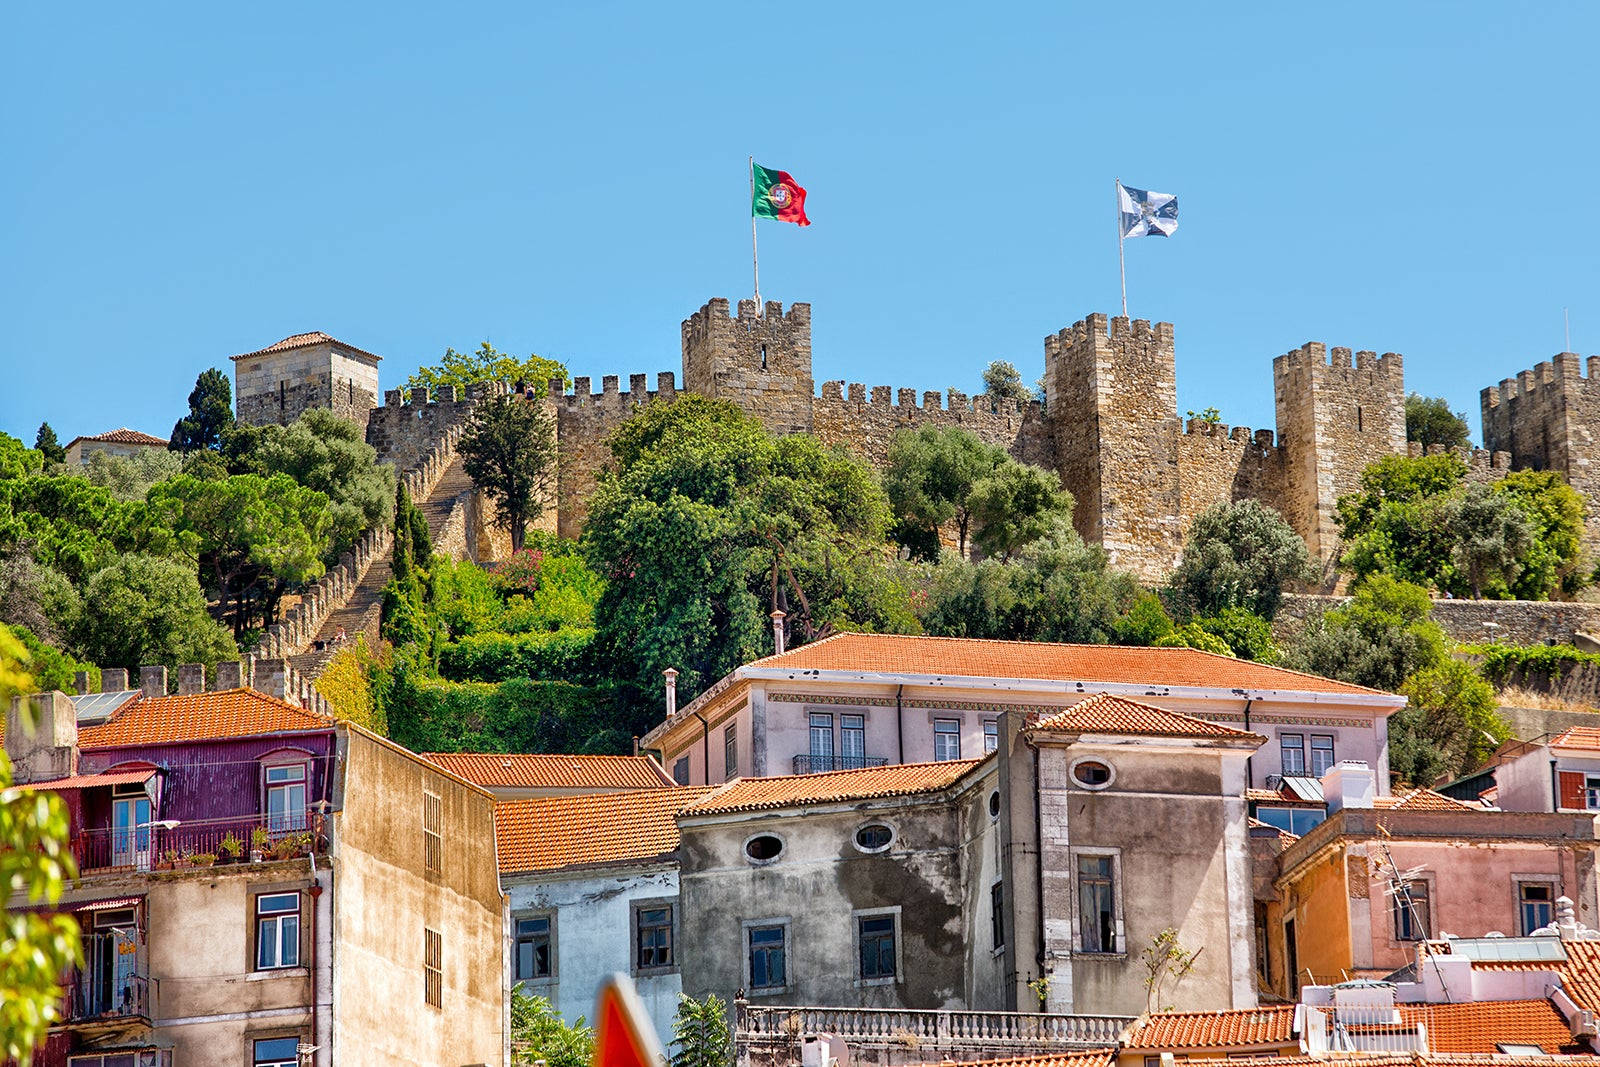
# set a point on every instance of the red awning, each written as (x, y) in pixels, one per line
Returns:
(91, 781)
(105, 905)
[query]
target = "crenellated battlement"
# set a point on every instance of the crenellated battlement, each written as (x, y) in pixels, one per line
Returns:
(714, 315)
(1315, 357)
(611, 396)
(953, 401)
(1563, 372)
(1241, 435)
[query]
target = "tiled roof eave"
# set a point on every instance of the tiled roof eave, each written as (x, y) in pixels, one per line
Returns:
(216, 739)
(274, 349)
(1148, 738)
(668, 859)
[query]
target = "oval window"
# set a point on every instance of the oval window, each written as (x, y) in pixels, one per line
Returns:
(874, 837)
(1091, 773)
(763, 848)
(994, 804)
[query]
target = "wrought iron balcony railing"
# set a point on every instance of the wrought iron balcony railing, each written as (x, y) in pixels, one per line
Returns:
(818, 764)
(198, 842)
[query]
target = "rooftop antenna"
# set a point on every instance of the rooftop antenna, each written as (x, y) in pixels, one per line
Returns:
(1400, 889)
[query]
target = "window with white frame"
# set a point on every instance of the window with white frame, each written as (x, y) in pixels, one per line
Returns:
(652, 936)
(535, 955)
(1293, 747)
(1591, 793)
(875, 942)
(275, 1052)
(1322, 759)
(991, 734)
(767, 962)
(286, 797)
(821, 724)
(946, 739)
(277, 931)
(853, 741)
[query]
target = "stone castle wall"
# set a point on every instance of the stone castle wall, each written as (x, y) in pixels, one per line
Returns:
(846, 414)
(1216, 463)
(761, 360)
(279, 387)
(1547, 418)
(584, 419)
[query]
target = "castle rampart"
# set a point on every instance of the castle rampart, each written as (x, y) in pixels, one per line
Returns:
(845, 415)
(584, 419)
(761, 360)
(1547, 418)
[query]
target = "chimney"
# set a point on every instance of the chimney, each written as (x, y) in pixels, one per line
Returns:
(153, 680)
(191, 679)
(229, 675)
(672, 691)
(1348, 784)
(42, 737)
(80, 682)
(777, 633)
(113, 679)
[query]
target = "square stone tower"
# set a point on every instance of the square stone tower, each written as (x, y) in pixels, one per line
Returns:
(760, 361)
(1113, 406)
(278, 383)
(1334, 420)
(1547, 419)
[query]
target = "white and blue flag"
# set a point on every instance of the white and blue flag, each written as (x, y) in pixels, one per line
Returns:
(1146, 214)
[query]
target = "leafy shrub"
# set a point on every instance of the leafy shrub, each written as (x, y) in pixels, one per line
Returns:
(522, 715)
(497, 657)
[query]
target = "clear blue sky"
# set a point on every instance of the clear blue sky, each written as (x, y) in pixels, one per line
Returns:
(186, 182)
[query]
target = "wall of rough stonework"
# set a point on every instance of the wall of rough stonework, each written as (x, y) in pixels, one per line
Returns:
(407, 428)
(1511, 622)
(584, 419)
(1334, 418)
(279, 387)
(1112, 393)
(846, 414)
(1547, 418)
(760, 360)
(1219, 464)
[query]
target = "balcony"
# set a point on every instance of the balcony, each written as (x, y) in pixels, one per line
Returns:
(109, 996)
(972, 1034)
(819, 764)
(173, 844)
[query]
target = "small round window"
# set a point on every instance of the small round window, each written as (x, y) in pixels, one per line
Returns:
(874, 837)
(1091, 774)
(994, 804)
(763, 848)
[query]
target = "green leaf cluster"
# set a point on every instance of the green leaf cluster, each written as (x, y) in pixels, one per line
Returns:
(1430, 422)
(509, 450)
(539, 1035)
(1238, 555)
(700, 1034)
(487, 364)
(210, 414)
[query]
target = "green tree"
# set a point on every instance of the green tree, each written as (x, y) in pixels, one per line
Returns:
(36, 948)
(1016, 504)
(17, 460)
(1554, 561)
(700, 1036)
(1381, 637)
(69, 524)
(1192, 635)
(149, 611)
(1144, 623)
(1246, 634)
(930, 477)
(1001, 382)
(1450, 726)
(46, 444)
(487, 364)
(324, 452)
(36, 597)
(1238, 555)
(210, 413)
(1490, 535)
(130, 477)
(509, 450)
(1429, 421)
(538, 1034)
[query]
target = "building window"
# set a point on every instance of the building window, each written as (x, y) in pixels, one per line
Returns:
(946, 739)
(286, 797)
(277, 931)
(274, 1052)
(874, 837)
(763, 848)
(432, 833)
(1263, 950)
(680, 770)
(876, 936)
(1321, 754)
(534, 955)
(1294, 753)
(1413, 923)
(1534, 903)
(432, 968)
(821, 741)
(991, 734)
(997, 916)
(652, 937)
(1097, 913)
(730, 751)
(1591, 794)
(1091, 774)
(766, 958)
(1297, 821)
(853, 741)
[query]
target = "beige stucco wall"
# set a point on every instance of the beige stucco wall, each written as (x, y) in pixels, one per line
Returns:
(78, 452)
(384, 900)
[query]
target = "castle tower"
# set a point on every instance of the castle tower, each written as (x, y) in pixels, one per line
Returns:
(1113, 405)
(1334, 420)
(760, 361)
(1548, 419)
(278, 383)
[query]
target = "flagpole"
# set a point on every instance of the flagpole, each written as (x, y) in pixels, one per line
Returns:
(1122, 262)
(755, 262)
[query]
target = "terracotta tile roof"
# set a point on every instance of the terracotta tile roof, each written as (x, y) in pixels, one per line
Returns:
(1481, 1025)
(965, 656)
(901, 779)
(541, 771)
(548, 833)
(1278, 796)
(1272, 1025)
(1422, 800)
(1580, 973)
(1414, 1059)
(200, 717)
(1579, 737)
(1088, 1057)
(1107, 714)
(92, 781)
(122, 436)
(303, 340)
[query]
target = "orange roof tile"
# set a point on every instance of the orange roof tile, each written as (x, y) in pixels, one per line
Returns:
(1579, 737)
(1414, 1059)
(1580, 973)
(549, 833)
(1107, 714)
(550, 771)
(965, 656)
(831, 787)
(122, 436)
(1479, 1026)
(1087, 1057)
(1215, 1029)
(200, 717)
(1422, 800)
(303, 340)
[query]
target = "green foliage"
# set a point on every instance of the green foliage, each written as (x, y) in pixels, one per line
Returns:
(522, 715)
(1246, 634)
(1502, 664)
(1491, 534)
(35, 596)
(1192, 635)
(46, 444)
(347, 683)
(330, 455)
(149, 611)
(1165, 961)
(1145, 622)
(1397, 480)
(538, 1035)
(130, 477)
(497, 657)
(17, 460)
(509, 450)
(700, 1035)
(68, 524)
(1207, 417)
(1379, 639)
(36, 949)
(1449, 728)
(52, 668)
(210, 414)
(1002, 382)
(1015, 505)
(487, 364)
(1553, 562)
(930, 477)
(1238, 555)
(1429, 421)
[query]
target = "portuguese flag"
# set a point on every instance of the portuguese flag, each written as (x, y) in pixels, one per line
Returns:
(777, 196)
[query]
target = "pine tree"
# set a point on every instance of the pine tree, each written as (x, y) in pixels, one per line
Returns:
(45, 441)
(210, 413)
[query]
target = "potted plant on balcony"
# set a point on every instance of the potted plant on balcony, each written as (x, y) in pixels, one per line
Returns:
(260, 841)
(202, 859)
(291, 845)
(229, 848)
(169, 859)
